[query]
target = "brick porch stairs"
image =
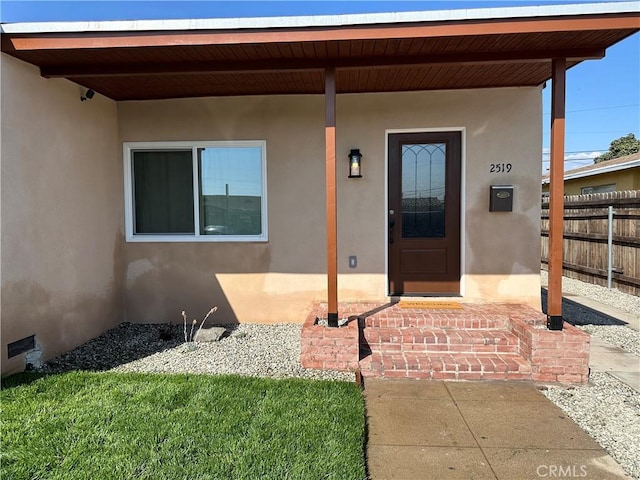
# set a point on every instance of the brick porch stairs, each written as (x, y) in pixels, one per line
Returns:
(476, 342)
(473, 343)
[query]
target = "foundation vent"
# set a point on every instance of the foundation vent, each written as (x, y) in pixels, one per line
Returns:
(20, 346)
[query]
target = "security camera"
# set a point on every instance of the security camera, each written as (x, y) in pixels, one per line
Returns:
(87, 96)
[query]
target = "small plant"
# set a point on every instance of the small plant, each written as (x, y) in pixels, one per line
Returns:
(190, 337)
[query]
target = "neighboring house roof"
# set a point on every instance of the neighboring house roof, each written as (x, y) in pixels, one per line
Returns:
(380, 52)
(614, 165)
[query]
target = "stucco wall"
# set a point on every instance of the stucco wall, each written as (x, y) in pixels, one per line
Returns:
(279, 280)
(623, 180)
(61, 213)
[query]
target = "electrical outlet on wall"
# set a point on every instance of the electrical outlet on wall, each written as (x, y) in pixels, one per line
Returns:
(353, 261)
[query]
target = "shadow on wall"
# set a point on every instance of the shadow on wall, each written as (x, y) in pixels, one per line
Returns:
(577, 314)
(171, 287)
(57, 321)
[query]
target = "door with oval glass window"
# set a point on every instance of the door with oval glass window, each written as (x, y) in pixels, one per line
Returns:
(424, 213)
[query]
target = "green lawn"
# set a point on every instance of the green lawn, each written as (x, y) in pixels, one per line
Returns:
(147, 426)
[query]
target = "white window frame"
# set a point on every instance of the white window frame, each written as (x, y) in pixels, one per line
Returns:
(129, 216)
(592, 189)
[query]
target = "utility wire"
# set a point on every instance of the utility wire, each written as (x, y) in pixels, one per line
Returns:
(599, 108)
(584, 151)
(616, 132)
(573, 160)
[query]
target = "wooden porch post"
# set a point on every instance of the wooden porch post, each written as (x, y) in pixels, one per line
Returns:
(332, 214)
(556, 194)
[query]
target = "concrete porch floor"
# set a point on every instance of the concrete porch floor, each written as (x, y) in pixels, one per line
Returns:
(475, 430)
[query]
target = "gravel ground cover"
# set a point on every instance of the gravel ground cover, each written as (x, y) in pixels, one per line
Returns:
(247, 349)
(609, 411)
(615, 298)
(606, 408)
(618, 335)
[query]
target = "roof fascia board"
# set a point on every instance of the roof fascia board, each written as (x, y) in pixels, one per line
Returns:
(482, 14)
(131, 39)
(607, 169)
(599, 171)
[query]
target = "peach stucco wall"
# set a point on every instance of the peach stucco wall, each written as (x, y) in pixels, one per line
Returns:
(68, 274)
(61, 213)
(277, 281)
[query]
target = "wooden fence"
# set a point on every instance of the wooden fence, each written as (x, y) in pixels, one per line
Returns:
(586, 227)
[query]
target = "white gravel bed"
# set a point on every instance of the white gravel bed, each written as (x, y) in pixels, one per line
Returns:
(246, 349)
(606, 408)
(609, 411)
(612, 297)
(618, 335)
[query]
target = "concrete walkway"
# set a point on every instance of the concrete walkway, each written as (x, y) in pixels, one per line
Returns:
(489, 430)
(631, 321)
(605, 357)
(475, 430)
(624, 366)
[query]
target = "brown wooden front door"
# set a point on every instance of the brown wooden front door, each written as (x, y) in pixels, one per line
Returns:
(424, 213)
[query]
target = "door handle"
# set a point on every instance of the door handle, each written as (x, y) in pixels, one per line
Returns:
(392, 223)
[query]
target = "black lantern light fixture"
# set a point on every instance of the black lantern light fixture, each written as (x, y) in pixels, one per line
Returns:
(355, 165)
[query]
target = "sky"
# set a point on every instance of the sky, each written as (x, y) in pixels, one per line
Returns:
(603, 96)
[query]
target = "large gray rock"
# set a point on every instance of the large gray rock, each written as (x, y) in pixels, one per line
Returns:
(210, 334)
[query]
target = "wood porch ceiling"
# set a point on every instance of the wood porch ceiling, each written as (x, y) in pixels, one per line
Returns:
(402, 57)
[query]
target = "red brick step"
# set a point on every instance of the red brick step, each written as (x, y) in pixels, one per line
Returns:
(467, 319)
(445, 366)
(411, 339)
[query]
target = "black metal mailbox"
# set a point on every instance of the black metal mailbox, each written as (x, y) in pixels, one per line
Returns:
(501, 198)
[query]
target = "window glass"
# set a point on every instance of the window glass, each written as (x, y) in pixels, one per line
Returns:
(230, 190)
(423, 190)
(598, 189)
(205, 191)
(163, 192)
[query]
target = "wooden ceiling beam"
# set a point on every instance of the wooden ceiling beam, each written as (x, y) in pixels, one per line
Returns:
(99, 40)
(305, 65)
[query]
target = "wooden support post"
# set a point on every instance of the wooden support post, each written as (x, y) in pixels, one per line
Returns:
(332, 213)
(556, 194)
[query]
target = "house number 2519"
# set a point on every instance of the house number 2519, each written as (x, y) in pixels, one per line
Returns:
(500, 168)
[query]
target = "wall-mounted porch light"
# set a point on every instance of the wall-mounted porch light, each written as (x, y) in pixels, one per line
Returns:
(355, 166)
